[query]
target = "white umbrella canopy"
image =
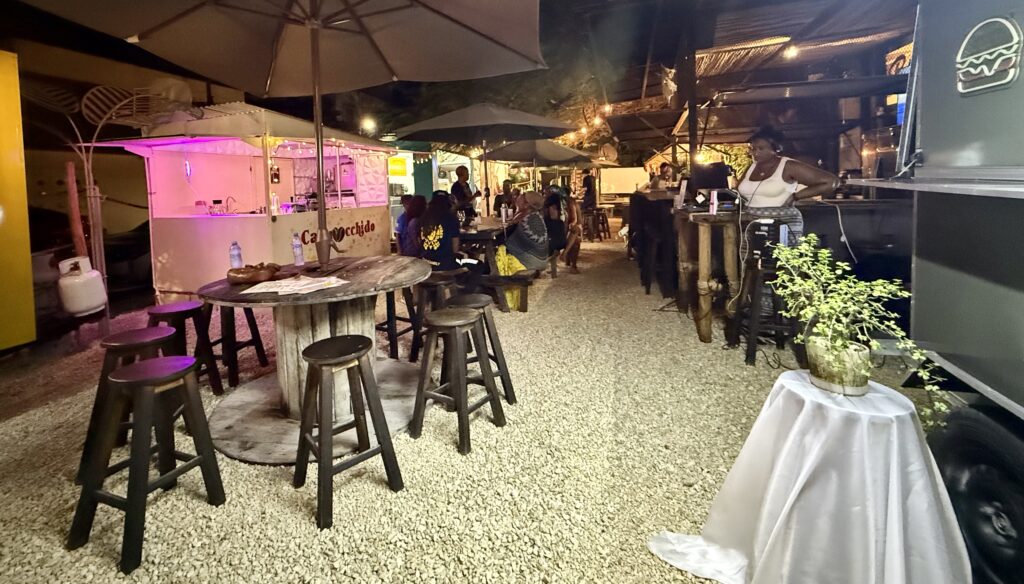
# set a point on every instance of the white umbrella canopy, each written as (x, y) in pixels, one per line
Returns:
(285, 48)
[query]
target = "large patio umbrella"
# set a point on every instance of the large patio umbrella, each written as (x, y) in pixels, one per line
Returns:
(482, 123)
(283, 48)
(539, 152)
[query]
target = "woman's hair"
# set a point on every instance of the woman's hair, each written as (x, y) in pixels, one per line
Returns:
(417, 205)
(439, 207)
(770, 135)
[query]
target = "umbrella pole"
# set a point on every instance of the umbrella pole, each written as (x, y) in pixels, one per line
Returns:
(323, 238)
(487, 196)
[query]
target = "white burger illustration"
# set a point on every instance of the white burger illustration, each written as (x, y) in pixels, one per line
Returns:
(989, 56)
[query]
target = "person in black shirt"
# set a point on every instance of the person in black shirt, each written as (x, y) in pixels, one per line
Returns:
(505, 197)
(589, 191)
(463, 196)
(439, 233)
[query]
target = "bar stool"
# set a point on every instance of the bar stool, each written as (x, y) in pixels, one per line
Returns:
(230, 345)
(453, 325)
(432, 294)
(176, 315)
(121, 349)
(148, 389)
(483, 303)
(347, 352)
(603, 227)
(750, 315)
(390, 326)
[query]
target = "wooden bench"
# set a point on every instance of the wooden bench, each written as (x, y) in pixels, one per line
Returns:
(521, 280)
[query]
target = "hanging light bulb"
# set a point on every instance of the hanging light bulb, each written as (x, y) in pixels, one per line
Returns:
(583, 130)
(607, 108)
(571, 136)
(791, 52)
(597, 120)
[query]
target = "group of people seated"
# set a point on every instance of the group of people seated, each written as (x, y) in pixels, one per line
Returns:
(542, 226)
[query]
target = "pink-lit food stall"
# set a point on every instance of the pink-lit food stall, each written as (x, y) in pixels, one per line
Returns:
(242, 173)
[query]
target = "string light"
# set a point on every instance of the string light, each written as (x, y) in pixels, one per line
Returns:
(597, 120)
(571, 135)
(368, 124)
(583, 130)
(607, 108)
(791, 52)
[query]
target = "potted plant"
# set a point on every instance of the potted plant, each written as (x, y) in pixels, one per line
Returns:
(839, 314)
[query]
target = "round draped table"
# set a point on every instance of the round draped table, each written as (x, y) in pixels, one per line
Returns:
(831, 489)
(258, 422)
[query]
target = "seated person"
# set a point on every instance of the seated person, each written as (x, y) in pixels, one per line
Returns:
(438, 230)
(403, 219)
(553, 221)
(505, 197)
(409, 237)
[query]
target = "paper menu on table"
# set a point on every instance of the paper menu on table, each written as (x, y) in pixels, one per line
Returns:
(298, 285)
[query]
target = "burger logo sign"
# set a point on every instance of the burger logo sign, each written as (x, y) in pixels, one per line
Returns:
(989, 57)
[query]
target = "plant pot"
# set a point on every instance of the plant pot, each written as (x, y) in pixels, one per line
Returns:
(847, 374)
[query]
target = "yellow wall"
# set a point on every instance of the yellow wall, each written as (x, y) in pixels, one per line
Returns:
(18, 324)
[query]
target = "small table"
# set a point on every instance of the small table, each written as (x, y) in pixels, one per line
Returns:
(706, 286)
(487, 235)
(258, 422)
(828, 488)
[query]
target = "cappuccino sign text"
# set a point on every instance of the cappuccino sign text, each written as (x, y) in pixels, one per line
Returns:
(338, 234)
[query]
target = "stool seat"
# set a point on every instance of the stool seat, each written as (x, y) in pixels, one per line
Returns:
(451, 317)
(337, 350)
(154, 371)
(470, 301)
(144, 337)
(175, 307)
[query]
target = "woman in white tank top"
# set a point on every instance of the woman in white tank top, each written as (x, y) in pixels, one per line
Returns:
(773, 182)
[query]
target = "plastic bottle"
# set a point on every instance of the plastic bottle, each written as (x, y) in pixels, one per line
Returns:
(235, 253)
(300, 259)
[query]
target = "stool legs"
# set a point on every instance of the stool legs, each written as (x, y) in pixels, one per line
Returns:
(99, 406)
(204, 352)
(228, 341)
(416, 426)
(457, 379)
(499, 355)
(380, 424)
(392, 325)
(138, 482)
(325, 449)
(257, 340)
(480, 344)
(358, 409)
(306, 426)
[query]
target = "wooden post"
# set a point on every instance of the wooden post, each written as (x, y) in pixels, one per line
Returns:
(75, 210)
(732, 277)
(703, 316)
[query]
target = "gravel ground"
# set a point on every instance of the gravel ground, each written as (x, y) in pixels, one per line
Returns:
(626, 426)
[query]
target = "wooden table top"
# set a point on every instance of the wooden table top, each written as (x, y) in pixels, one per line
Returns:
(366, 276)
(718, 218)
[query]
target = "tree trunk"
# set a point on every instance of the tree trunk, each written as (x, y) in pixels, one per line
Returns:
(75, 211)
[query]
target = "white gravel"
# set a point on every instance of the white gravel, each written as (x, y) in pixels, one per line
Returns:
(626, 425)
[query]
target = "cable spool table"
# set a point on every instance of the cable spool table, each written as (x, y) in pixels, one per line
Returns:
(259, 421)
(707, 286)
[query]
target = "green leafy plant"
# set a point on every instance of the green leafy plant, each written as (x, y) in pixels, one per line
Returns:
(841, 310)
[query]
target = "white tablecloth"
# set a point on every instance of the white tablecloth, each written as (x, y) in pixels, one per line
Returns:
(828, 489)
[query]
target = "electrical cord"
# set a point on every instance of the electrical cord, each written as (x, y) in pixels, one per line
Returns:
(842, 230)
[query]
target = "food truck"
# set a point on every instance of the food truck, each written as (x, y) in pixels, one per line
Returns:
(239, 173)
(960, 155)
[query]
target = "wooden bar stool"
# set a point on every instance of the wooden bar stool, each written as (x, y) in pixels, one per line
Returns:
(345, 352)
(453, 325)
(176, 315)
(148, 388)
(603, 227)
(230, 345)
(390, 326)
(483, 303)
(432, 294)
(121, 349)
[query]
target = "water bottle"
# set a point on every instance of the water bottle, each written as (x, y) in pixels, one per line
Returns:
(300, 260)
(235, 252)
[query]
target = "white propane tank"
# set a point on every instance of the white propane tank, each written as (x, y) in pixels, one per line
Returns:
(81, 287)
